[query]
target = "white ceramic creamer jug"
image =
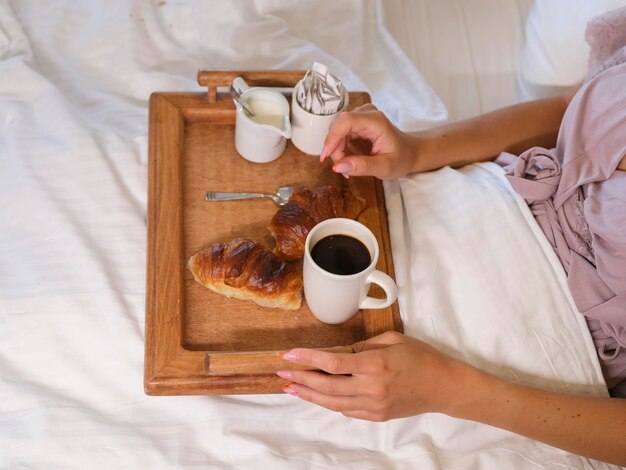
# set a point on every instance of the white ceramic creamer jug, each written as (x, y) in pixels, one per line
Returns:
(261, 137)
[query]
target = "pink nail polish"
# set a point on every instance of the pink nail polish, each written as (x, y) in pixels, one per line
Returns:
(343, 167)
(291, 391)
(285, 374)
(324, 153)
(289, 356)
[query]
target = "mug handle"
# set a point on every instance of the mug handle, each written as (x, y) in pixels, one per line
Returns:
(388, 285)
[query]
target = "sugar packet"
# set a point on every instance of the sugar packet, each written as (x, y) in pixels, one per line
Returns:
(321, 92)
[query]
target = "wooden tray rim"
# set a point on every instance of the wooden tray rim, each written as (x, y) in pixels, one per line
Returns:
(206, 372)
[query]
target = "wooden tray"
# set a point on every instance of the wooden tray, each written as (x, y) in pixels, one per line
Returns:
(198, 342)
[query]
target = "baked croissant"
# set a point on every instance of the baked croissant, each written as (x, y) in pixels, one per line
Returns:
(305, 209)
(245, 270)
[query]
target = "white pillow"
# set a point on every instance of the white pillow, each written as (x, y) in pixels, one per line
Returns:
(555, 53)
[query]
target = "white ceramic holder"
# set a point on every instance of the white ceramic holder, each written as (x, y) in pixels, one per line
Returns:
(309, 130)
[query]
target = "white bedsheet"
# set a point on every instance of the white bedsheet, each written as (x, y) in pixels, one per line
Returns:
(74, 82)
(465, 242)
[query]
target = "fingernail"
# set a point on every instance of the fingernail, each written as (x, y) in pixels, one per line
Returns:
(289, 356)
(343, 167)
(285, 374)
(291, 391)
(324, 153)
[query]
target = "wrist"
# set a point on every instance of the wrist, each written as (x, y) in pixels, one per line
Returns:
(477, 393)
(422, 152)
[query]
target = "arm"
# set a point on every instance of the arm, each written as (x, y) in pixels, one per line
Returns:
(364, 142)
(393, 376)
(590, 426)
(513, 129)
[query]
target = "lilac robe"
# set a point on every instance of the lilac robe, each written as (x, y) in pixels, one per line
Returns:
(578, 196)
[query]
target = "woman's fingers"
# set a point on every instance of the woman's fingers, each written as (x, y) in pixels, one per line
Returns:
(362, 362)
(364, 143)
(357, 396)
(323, 383)
(341, 403)
(364, 165)
(365, 125)
(383, 340)
(333, 363)
(365, 107)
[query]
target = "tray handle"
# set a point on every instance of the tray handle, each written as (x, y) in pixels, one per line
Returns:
(261, 362)
(270, 78)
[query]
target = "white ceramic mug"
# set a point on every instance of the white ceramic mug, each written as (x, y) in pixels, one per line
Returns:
(334, 298)
(256, 139)
(309, 130)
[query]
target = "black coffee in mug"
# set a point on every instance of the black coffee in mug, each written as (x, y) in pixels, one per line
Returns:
(341, 254)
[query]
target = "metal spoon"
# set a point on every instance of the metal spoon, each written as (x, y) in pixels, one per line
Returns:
(280, 197)
(236, 94)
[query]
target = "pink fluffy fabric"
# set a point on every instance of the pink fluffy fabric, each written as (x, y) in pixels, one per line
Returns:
(606, 35)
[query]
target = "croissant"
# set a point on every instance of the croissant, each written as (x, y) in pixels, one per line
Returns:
(245, 270)
(305, 209)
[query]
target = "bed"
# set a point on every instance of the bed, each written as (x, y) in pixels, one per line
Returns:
(75, 78)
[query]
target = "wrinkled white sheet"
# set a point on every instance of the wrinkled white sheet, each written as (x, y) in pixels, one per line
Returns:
(74, 82)
(466, 243)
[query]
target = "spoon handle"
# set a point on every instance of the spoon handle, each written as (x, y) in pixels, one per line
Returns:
(216, 196)
(240, 101)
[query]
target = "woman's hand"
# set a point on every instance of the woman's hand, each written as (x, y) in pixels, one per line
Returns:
(364, 143)
(394, 376)
(389, 376)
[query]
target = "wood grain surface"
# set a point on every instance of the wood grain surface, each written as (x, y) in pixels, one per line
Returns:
(198, 342)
